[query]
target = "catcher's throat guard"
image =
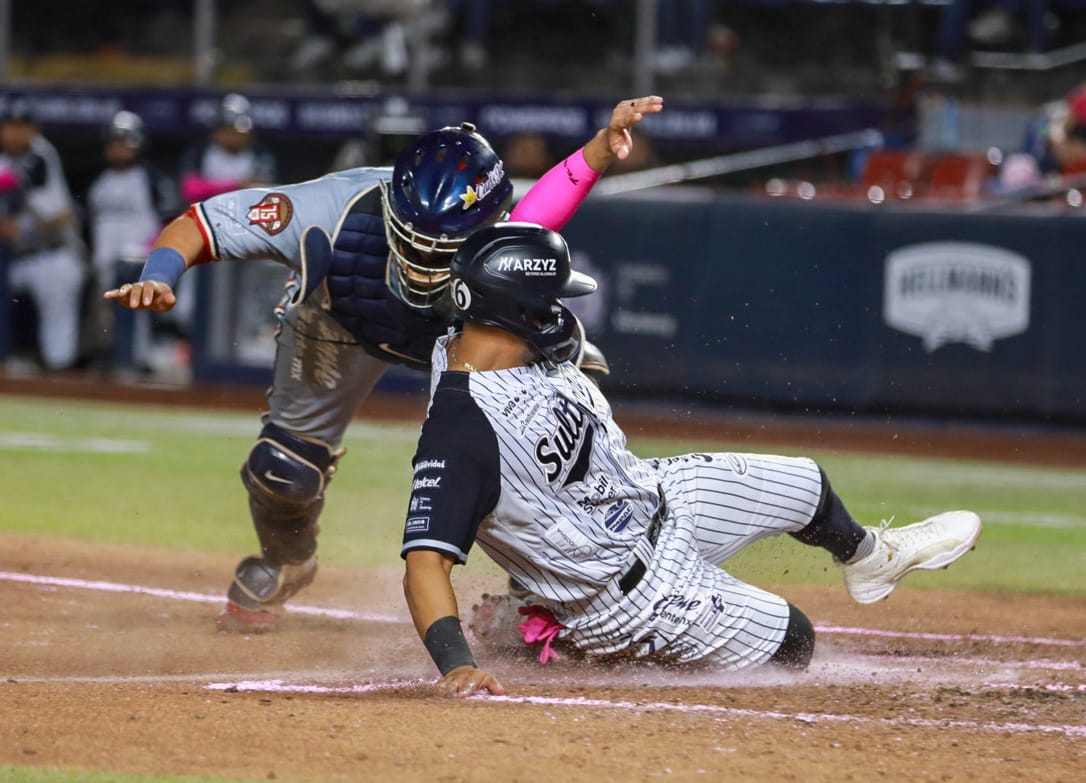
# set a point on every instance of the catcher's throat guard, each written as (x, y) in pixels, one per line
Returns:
(316, 257)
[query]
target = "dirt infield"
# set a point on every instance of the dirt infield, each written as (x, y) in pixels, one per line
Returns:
(109, 661)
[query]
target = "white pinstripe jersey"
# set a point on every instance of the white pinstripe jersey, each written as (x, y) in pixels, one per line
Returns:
(529, 463)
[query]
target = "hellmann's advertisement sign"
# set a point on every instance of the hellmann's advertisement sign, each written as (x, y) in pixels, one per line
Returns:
(957, 292)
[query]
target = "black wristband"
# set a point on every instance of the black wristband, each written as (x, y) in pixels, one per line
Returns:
(446, 644)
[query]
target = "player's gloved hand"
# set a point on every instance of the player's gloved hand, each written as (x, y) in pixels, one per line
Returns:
(466, 680)
(146, 295)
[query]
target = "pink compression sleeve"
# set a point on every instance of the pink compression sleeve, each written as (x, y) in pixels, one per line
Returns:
(196, 188)
(552, 201)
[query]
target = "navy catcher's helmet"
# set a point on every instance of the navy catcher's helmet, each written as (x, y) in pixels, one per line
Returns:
(127, 127)
(511, 275)
(445, 185)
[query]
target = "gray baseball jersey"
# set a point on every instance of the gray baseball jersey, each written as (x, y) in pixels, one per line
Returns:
(322, 374)
(267, 223)
(530, 463)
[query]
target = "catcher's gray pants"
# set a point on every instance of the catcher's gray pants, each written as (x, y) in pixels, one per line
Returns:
(321, 377)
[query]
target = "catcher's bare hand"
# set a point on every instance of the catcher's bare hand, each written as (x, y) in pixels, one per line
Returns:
(466, 680)
(147, 295)
(624, 116)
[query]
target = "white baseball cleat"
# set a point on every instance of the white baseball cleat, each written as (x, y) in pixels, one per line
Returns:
(934, 543)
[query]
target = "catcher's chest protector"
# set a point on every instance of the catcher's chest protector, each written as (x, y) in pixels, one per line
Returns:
(360, 298)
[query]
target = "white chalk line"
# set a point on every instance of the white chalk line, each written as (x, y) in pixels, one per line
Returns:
(278, 686)
(373, 617)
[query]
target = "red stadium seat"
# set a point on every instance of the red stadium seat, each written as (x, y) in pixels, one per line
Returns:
(956, 176)
(895, 171)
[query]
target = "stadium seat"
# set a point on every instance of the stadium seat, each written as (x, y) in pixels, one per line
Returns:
(895, 171)
(955, 176)
(888, 174)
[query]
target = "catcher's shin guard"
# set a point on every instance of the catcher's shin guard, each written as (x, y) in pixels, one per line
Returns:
(260, 587)
(286, 476)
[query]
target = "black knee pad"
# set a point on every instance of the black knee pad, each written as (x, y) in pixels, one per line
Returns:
(286, 470)
(286, 477)
(799, 640)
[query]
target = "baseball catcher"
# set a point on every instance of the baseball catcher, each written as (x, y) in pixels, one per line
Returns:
(369, 249)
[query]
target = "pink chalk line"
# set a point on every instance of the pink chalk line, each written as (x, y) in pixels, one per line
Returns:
(345, 614)
(952, 637)
(278, 686)
(182, 595)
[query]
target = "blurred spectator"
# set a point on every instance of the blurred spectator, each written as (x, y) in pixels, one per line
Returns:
(397, 125)
(129, 202)
(680, 33)
(47, 255)
(230, 159)
(1057, 138)
(996, 23)
(471, 21)
(362, 33)
(526, 156)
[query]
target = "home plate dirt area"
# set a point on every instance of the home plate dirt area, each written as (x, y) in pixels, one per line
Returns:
(109, 660)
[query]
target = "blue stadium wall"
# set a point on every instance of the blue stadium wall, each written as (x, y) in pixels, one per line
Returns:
(805, 306)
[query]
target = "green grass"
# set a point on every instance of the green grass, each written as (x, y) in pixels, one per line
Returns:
(169, 477)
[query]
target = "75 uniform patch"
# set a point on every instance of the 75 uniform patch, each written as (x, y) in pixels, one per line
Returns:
(272, 213)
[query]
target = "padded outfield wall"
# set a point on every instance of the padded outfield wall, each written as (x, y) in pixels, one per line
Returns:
(808, 306)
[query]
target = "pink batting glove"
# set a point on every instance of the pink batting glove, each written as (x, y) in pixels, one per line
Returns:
(541, 626)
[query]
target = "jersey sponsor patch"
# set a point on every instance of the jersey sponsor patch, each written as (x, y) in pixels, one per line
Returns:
(676, 608)
(711, 615)
(272, 213)
(565, 537)
(617, 516)
(417, 525)
(429, 464)
(737, 463)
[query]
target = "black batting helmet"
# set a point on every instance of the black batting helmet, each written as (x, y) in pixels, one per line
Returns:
(512, 275)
